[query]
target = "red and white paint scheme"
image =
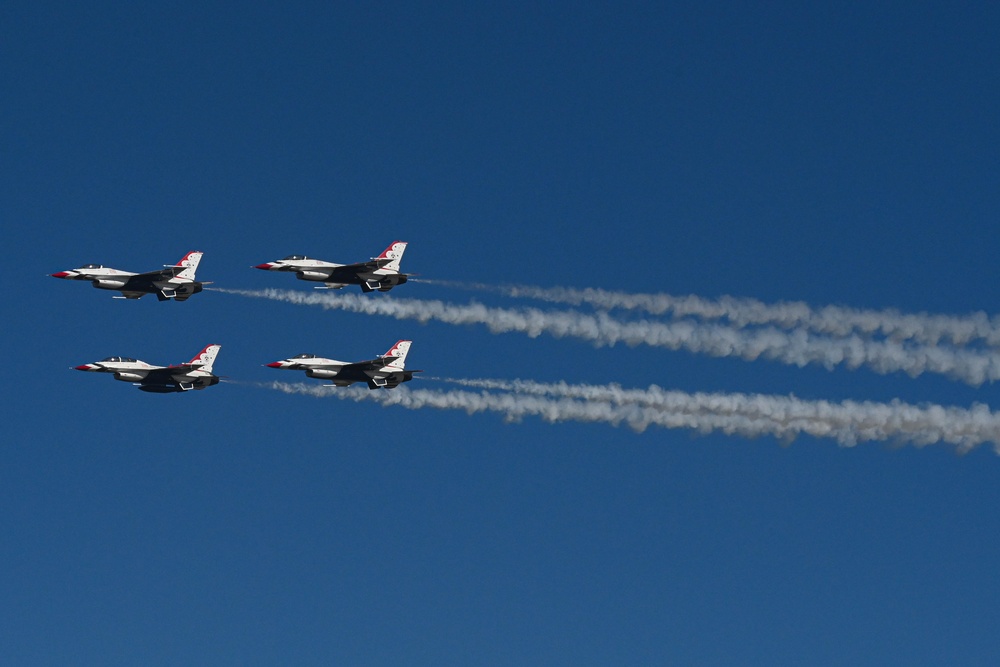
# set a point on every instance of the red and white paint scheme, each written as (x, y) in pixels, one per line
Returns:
(195, 374)
(385, 371)
(173, 282)
(381, 273)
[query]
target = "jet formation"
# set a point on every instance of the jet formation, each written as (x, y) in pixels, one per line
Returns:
(177, 282)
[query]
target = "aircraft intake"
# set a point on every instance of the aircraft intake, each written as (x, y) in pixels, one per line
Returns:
(313, 275)
(109, 283)
(321, 373)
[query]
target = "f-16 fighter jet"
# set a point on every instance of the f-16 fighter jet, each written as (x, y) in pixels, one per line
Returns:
(171, 282)
(384, 371)
(195, 374)
(380, 273)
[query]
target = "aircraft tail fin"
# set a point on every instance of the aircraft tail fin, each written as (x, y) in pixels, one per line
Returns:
(206, 358)
(399, 351)
(190, 264)
(391, 256)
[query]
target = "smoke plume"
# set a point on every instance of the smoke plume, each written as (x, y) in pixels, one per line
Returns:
(740, 312)
(748, 415)
(797, 347)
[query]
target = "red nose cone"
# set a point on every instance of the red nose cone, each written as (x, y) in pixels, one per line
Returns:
(274, 364)
(61, 274)
(265, 266)
(85, 367)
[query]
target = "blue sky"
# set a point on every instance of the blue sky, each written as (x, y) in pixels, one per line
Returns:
(831, 154)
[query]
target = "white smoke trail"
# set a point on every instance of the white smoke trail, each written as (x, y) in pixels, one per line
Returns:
(748, 415)
(837, 321)
(795, 348)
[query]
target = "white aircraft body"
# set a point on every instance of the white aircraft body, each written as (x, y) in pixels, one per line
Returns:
(385, 371)
(380, 273)
(195, 374)
(176, 282)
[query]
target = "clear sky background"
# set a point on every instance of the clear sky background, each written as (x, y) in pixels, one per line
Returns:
(832, 153)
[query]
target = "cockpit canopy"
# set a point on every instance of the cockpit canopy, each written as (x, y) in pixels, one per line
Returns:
(304, 356)
(295, 257)
(92, 266)
(125, 359)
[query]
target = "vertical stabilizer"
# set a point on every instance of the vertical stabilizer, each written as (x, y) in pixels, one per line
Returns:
(394, 253)
(206, 358)
(190, 264)
(399, 350)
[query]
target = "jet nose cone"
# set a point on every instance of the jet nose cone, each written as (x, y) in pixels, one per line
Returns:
(84, 367)
(274, 364)
(60, 274)
(266, 266)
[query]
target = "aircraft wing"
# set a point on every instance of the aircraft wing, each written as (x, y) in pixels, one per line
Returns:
(367, 267)
(143, 283)
(348, 271)
(164, 380)
(186, 367)
(361, 366)
(166, 374)
(161, 274)
(160, 375)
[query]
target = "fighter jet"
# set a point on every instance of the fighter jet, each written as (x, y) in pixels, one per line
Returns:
(385, 371)
(171, 282)
(195, 374)
(380, 273)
